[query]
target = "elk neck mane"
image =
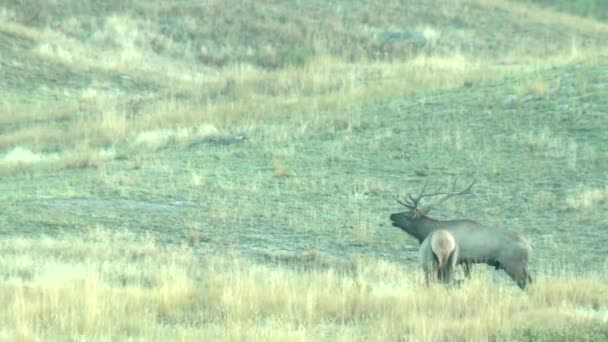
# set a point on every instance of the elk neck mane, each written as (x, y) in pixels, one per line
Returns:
(438, 223)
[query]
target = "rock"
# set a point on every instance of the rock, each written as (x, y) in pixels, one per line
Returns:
(510, 101)
(529, 98)
(407, 37)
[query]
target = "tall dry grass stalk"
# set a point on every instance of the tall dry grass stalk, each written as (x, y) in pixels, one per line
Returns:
(115, 286)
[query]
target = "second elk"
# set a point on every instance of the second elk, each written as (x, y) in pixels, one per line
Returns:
(438, 257)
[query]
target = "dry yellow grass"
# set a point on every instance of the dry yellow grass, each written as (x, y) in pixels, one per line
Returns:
(20, 158)
(115, 286)
(585, 198)
(538, 88)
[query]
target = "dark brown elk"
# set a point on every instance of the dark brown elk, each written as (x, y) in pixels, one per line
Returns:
(478, 243)
(438, 256)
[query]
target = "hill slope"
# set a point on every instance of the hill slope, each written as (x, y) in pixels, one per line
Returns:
(81, 94)
(88, 64)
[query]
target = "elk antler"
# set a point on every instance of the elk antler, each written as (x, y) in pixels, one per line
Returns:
(412, 203)
(415, 201)
(449, 195)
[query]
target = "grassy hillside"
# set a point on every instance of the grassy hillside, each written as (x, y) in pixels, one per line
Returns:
(177, 171)
(590, 8)
(81, 75)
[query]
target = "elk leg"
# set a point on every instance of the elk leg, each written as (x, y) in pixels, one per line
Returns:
(448, 270)
(466, 266)
(443, 276)
(518, 274)
(527, 275)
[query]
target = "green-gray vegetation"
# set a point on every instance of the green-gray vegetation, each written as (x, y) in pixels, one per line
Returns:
(590, 8)
(176, 170)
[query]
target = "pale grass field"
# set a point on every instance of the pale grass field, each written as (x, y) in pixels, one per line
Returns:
(109, 284)
(106, 285)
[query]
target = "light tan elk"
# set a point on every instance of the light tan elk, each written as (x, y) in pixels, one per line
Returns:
(438, 256)
(477, 243)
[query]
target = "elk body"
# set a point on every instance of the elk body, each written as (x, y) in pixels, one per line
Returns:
(477, 243)
(438, 256)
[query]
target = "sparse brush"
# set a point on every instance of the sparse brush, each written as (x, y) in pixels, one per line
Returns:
(281, 169)
(85, 158)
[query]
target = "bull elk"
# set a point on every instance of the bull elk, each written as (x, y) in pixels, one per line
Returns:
(477, 243)
(438, 256)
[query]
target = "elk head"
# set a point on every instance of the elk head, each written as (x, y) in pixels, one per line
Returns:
(414, 221)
